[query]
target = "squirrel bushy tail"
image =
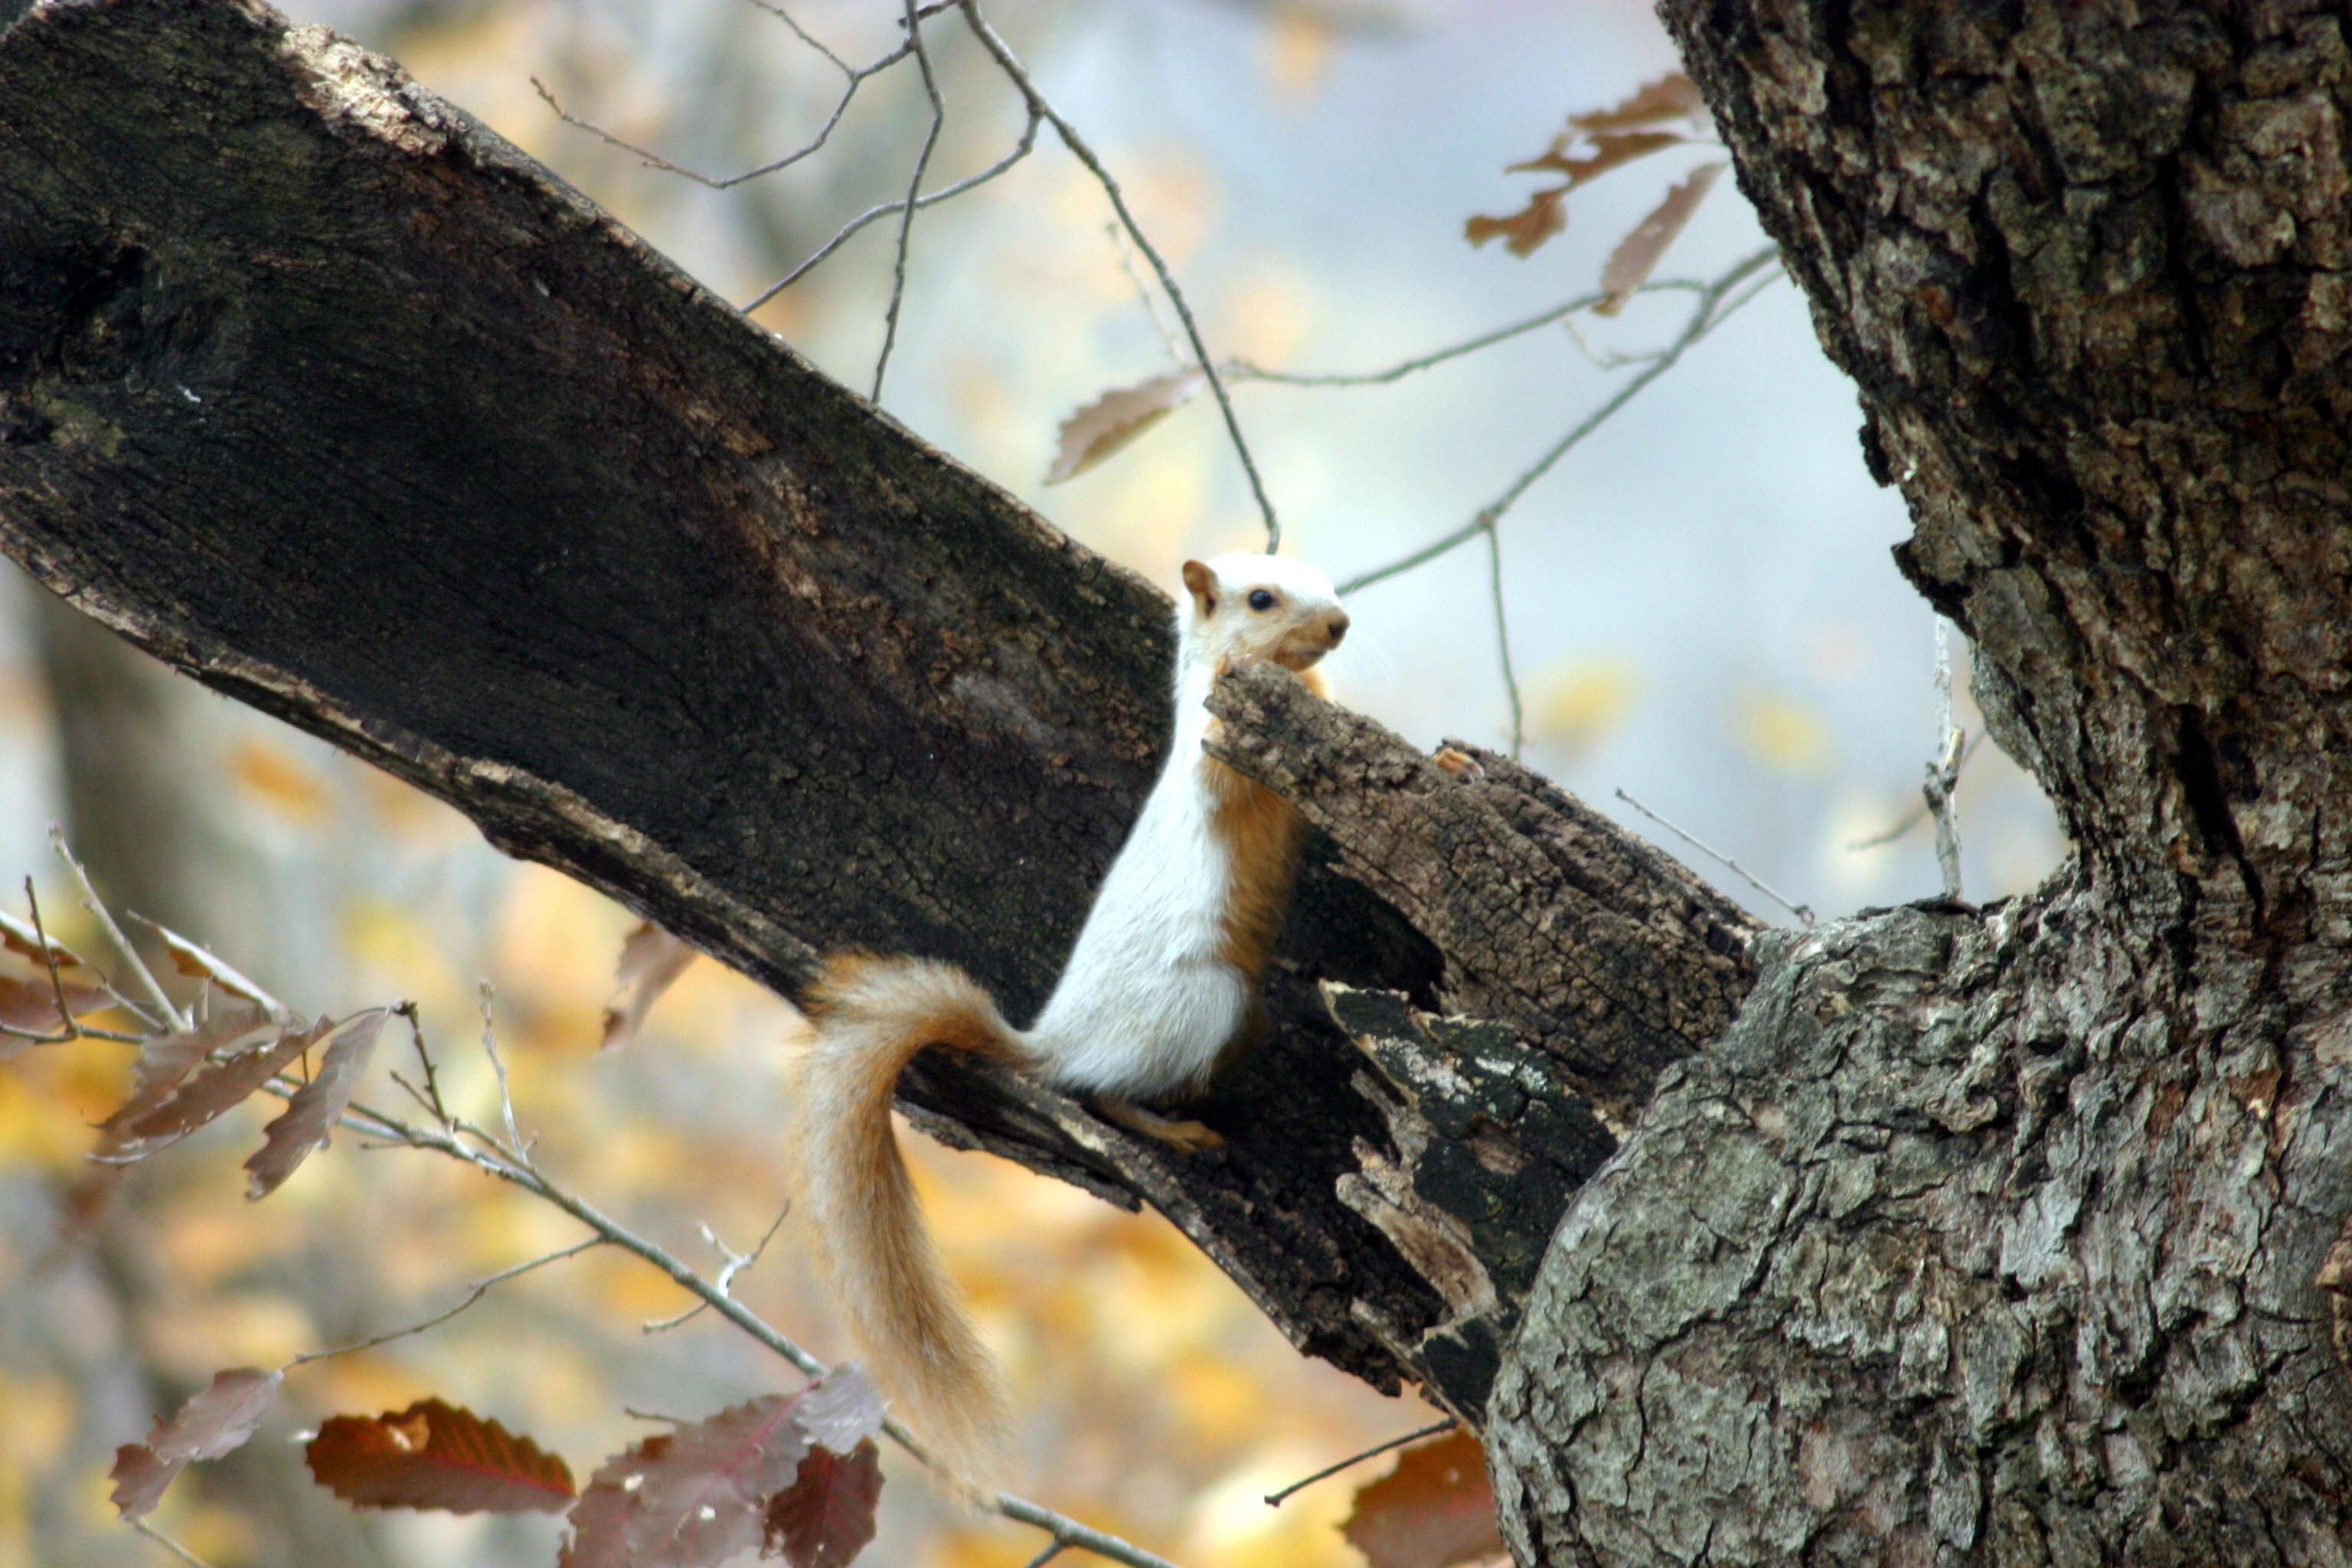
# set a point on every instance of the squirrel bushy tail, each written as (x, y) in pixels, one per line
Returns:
(872, 1016)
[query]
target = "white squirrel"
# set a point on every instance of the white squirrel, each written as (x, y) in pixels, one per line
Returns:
(1160, 989)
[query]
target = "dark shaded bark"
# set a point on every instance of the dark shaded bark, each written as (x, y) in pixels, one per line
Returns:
(2016, 1238)
(323, 393)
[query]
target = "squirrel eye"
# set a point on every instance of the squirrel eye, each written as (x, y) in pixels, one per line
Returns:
(1260, 599)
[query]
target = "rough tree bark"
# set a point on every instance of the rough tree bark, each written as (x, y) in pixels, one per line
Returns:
(2018, 1235)
(2005, 1236)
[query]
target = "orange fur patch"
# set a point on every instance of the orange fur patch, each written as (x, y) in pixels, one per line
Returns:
(1262, 833)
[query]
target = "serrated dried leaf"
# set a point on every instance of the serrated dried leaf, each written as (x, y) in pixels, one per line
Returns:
(825, 1518)
(308, 1119)
(219, 1417)
(1672, 97)
(20, 937)
(200, 965)
(438, 1455)
(140, 1479)
(600, 1519)
(1117, 417)
(216, 1420)
(1608, 151)
(841, 1409)
(1521, 232)
(1637, 254)
(1434, 1510)
(212, 1092)
(651, 959)
(166, 1059)
(692, 1497)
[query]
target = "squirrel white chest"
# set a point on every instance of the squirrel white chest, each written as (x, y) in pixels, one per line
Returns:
(1149, 1002)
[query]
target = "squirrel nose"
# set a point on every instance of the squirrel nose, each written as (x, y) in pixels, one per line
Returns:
(1337, 626)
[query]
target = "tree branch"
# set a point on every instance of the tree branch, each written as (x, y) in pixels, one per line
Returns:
(316, 389)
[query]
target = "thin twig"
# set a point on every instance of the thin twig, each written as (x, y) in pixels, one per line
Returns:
(947, 193)
(370, 1122)
(171, 1018)
(734, 1264)
(1079, 150)
(805, 37)
(506, 1101)
(1503, 640)
(1053, 1549)
(1944, 773)
(432, 1095)
(1241, 370)
(81, 1032)
(479, 1289)
(1918, 814)
(49, 958)
(168, 1544)
(1068, 1533)
(1613, 359)
(854, 78)
(1275, 1499)
(1801, 911)
(914, 190)
(1143, 295)
(69, 1028)
(1703, 319)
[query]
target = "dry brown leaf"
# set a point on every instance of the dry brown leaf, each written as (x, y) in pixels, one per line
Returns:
(825, 1518)
(139, 1477)
(1616, 136)
(1608, 151)
(1117, 417)
(839, 1410)
(1671, 97)
(19, 937)
(212, 1092)
(1434, 1510)
(216, 1420)
(32, 1006)
(651, 959)
(691, 1498)
(436, 1456)
(198, 964)
(1637, 254)
(166, 1059)
(310, 1116)
(1543, 216)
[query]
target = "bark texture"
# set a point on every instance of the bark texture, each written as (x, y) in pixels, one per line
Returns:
(323, 393)
(2018, 1236)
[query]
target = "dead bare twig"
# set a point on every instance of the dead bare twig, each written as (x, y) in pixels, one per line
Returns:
(1010, 65)
(1710, 313)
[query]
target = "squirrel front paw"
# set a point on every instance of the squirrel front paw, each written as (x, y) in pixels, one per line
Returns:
(1182, 1134)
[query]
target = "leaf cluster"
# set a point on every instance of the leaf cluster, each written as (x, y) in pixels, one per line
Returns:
(1667, 112)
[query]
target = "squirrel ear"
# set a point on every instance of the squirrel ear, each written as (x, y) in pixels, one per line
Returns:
(1201, 583)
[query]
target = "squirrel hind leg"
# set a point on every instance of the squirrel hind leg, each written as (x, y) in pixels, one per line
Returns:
(1176, 1131)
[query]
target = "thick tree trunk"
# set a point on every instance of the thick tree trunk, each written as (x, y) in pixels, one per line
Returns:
(2019, 1235)
(2015, 1236)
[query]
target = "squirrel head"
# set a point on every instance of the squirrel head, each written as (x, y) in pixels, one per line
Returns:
(1247, 607)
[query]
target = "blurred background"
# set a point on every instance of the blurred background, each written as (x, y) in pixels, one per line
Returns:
(1701, 608)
